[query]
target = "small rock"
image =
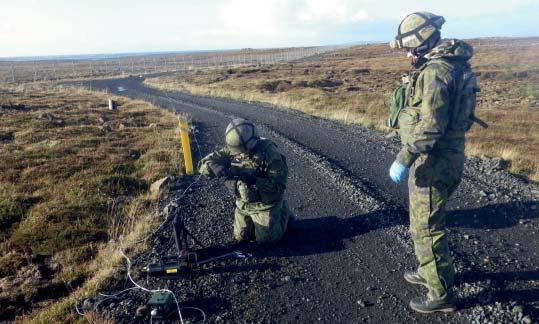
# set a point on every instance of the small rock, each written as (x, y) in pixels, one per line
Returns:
(526, 319)
(105, 128)
(517, 309)
(45, 116)
(466, 236)
(500, 164)
(58, 122)
(157, 187)
(141, 311)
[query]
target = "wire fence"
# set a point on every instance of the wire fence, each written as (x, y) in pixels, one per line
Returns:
(59, 69)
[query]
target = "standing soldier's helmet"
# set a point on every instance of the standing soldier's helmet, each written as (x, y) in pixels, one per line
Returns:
(241, 136)
(416, 28)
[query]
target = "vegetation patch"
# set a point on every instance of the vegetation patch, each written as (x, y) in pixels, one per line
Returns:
(70, 191)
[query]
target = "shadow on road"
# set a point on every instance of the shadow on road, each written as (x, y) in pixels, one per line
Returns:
(494, 216)
(325, 234)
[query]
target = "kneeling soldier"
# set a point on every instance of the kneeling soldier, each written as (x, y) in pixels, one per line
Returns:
(256, 173)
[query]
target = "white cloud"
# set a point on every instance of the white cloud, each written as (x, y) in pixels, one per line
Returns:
(252, 17)
(332, 12)
(255, 23)
(280, 22)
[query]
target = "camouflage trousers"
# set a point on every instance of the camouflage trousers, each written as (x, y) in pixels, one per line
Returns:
(259, 221)
(432, 180)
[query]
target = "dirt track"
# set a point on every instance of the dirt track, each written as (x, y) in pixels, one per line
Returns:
(344, 262)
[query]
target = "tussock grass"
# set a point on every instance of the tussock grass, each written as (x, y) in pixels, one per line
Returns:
(353, 86)
(72, 194)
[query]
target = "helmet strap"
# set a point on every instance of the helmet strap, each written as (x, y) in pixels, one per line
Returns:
(418, 53)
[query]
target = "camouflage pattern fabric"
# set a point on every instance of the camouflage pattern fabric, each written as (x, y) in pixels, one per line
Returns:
(260, 212)
(264, 223)
(433, 146)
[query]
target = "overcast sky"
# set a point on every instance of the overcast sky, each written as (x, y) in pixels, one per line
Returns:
(50, 27)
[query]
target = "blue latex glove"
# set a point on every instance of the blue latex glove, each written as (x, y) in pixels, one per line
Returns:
(397, 172)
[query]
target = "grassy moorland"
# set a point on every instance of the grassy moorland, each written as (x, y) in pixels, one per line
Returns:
(353, 85)
(74, 187)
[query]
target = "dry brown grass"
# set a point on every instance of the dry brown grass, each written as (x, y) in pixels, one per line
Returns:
(96, 318)
(71, 194)
(353, 86)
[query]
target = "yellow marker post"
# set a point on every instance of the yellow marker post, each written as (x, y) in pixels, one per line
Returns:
(186, 146)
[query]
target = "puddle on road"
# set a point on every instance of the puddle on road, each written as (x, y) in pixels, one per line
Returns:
(121, 89)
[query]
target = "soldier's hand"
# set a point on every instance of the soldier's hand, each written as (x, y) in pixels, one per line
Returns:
(219, 170)
(397, 172)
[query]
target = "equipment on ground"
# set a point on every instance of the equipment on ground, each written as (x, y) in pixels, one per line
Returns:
(162, 303)
(162, 306)
(176, 265)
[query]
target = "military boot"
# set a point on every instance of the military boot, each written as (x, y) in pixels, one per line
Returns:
(245, 235)
(414, 278)
(426, 305)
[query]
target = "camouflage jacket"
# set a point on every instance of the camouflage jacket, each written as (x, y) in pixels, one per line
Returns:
(430, 122)
(268, 164)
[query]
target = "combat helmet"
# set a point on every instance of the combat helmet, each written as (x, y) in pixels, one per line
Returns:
(416, 28)
(241, 136)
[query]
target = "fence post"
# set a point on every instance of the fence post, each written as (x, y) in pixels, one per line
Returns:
(35, 71)
(112, 104)
(186, 146)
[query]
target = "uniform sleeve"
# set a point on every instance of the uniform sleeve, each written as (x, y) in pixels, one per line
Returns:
(434, 113)
(274, 182)
(220, 156)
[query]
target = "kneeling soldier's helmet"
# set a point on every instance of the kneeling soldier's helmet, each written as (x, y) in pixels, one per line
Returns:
(416, 28)
(241, 136)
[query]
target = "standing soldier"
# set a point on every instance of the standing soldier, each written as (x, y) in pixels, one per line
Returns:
(256, 173)
(437, 104)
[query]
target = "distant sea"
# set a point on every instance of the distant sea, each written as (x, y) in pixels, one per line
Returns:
(95, 57)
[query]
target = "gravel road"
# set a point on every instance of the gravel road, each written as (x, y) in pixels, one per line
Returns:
(343, 263)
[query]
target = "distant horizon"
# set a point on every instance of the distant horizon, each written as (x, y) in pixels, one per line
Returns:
(33, 28)
(165, 52)
(112, 55)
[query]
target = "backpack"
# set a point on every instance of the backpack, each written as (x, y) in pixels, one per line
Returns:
(397, 100)
(463, 112)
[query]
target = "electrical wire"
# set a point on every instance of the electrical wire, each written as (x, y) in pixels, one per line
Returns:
(151, 290)
(129, 263)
